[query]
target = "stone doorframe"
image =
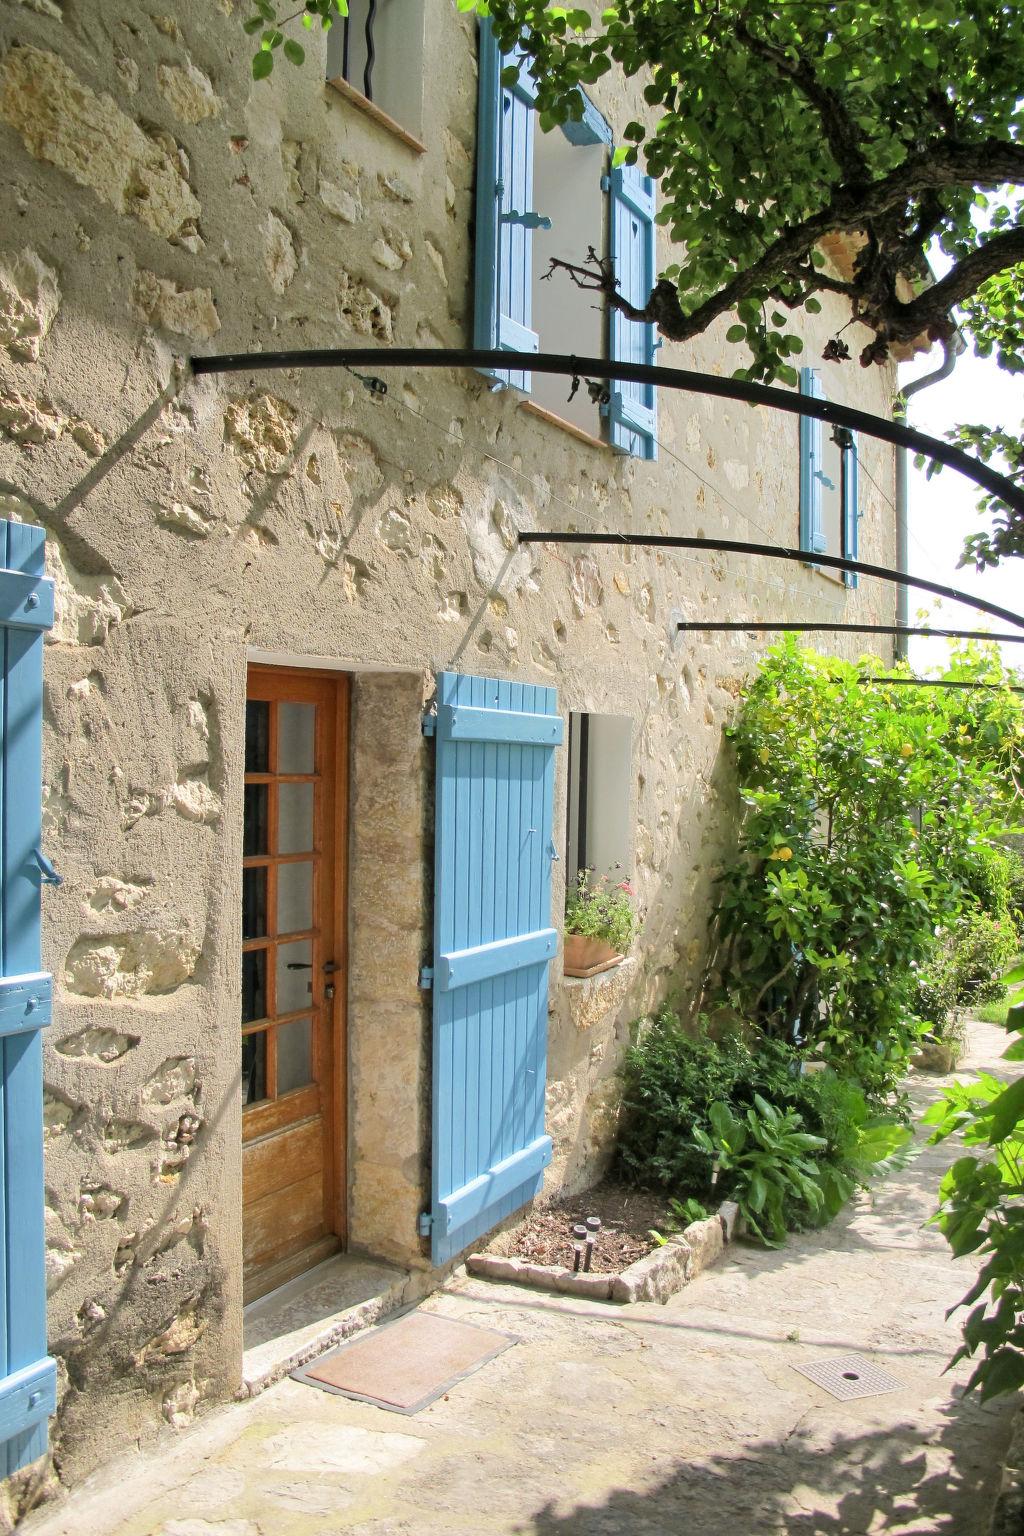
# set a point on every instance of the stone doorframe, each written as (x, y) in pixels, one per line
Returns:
(390, 905)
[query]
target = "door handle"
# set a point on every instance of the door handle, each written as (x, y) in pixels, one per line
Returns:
(299, 965)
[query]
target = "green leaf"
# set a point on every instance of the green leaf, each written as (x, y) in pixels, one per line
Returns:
(262, 64)
(294, 52)
(252, 24)
(736, 333)
(1007, 1110)
(1002, 1372)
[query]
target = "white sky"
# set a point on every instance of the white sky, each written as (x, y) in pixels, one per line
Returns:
(943, 509)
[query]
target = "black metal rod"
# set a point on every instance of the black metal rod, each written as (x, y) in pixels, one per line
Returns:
(775, 552)
(935, 682)
(371, 52)
(855, 629)
(636, 373)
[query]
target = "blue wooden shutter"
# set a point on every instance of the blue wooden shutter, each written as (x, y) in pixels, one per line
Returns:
(633, 409)
(28, 1379)
(812, 535)
(492, 942)
(851, 507)
(503, 310)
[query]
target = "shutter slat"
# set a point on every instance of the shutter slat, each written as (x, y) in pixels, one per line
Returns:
(812, 536)
(503, 278)
(492, 944)
(632, 411)
(28, 1380)
(851, 506)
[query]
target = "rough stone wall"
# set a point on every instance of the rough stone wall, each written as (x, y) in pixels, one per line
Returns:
(156, 201)
(389, 926)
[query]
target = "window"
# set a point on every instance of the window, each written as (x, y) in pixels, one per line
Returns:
(543, 195)
(829, 511)
(375, 59)
(599, 795)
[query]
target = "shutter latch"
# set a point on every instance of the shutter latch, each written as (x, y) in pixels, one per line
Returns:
(527, 220)
(46, 869)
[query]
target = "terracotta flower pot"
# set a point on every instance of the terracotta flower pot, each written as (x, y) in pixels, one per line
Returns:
(587, 957)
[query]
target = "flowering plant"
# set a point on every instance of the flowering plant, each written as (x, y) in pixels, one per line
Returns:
(601, 910)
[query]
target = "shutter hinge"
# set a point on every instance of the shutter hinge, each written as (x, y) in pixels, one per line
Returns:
(424, 1224)
(426, 978)
(606, 183)
(429, 724)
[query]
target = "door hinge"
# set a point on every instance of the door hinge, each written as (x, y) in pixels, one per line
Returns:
(424, 1224)
(426, 978)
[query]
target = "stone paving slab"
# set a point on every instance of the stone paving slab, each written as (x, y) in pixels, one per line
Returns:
(647, 1420)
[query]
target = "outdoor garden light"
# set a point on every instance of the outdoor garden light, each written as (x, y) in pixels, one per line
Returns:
(593, 1227)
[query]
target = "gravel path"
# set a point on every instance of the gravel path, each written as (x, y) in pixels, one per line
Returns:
(684, 1418)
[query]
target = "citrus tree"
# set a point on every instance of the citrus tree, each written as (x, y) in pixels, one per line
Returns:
(866, 808)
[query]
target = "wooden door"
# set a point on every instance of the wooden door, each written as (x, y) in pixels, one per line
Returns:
(293, 973)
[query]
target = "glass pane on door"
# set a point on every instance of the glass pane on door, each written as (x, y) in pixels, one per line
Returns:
(254, 1067)
(294, 1055)
(296, 735)
(294, 897)
(295, 818)
(294, 975)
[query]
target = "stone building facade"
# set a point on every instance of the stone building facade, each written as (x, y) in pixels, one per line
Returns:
(159, 203)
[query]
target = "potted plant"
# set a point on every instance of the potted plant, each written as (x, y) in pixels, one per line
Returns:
(600, 921)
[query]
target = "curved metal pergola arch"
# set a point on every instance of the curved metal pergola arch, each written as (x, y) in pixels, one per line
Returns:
(687, 381)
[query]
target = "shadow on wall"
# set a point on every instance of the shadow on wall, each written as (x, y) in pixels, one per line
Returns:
(902, 1477)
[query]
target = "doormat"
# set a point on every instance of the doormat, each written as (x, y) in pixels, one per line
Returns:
(405, 1364)
(849, 1376)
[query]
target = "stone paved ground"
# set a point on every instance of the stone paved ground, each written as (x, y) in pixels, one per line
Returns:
(645, 1419)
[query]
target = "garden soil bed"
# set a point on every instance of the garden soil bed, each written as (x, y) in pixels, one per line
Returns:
(627, 1217)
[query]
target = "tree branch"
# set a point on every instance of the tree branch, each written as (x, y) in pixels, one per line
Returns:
(1001, 251)
(840, 131)
(989, 163)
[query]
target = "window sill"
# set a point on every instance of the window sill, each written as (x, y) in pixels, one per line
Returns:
(543, 414)
(835, 578)
(358, 100)
(592, 999)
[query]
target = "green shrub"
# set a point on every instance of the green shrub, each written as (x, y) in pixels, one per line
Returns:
(966, 969)
(769, 1163)
(1015, 897)
(871, 824)
(981, 1210)
(673, 1080)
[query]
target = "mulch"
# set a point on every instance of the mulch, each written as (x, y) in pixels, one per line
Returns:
(627, 1216)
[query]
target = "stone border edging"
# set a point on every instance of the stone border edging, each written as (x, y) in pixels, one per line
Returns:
(655, 1277)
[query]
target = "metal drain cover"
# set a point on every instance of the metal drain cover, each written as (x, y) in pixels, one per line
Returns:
(847, 1376)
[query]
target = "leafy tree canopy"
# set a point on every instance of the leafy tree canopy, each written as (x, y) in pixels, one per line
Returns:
(785, 131)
